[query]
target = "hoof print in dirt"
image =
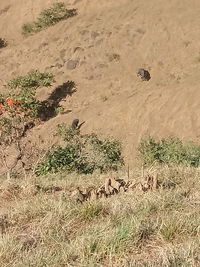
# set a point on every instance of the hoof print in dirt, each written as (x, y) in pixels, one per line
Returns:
(144, 74)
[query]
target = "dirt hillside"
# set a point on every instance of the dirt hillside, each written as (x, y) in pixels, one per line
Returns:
(111, 40)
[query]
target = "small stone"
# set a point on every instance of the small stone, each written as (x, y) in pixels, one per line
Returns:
(144, 74)
(72, 64)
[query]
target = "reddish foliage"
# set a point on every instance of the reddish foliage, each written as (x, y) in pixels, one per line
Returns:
(14, 106)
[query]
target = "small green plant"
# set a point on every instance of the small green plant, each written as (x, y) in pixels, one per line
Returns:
(66, 132)
(59, 110)
(49, 17)
(91, 210)
(32, 80)
(82, 153)
(3, 43)
(170, 151)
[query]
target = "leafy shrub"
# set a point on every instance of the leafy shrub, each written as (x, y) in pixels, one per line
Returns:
(20, 105)
(32, 80)
(169, 151)
(26, 87)
(82, 153)
(49, 17)
(3, 43)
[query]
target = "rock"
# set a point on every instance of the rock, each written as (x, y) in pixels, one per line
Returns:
(72, 64)
(144, 74)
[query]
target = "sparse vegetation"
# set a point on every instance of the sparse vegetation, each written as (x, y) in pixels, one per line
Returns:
(23, 89)
(67, 133)
(49, 17)
(82, 153)
(3, 43)
(18, 110)
(68, 199)
(20, 105)
(170, 151)
(159, 228)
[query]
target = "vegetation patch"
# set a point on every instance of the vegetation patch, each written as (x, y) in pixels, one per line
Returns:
(82, 153)
(91, 210)
(49, 17)
(157, 228)
(171, 151)
(20, 106)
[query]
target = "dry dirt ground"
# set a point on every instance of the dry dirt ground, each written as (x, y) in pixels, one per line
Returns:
(111, 40)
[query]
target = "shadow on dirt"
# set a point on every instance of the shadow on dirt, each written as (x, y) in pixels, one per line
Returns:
(49, 106)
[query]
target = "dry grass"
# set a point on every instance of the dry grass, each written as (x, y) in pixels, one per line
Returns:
(157, 228)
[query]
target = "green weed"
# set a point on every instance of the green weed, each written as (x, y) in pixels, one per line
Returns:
(48, 17)
(170, 151)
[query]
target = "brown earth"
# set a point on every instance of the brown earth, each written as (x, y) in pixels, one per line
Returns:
(111, 40)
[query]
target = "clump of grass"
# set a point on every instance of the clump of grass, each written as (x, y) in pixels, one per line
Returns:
(49, 17)
(82, 154)
(3, 43)
(173, 227)
(170, 151)
(91, 210)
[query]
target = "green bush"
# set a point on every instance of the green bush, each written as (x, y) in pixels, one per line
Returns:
(169, 151)
(82, 153)
(32, 80)
(19, 105)
(26, 89)
(49, 17)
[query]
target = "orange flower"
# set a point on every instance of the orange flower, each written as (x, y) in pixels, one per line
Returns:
(10, 101)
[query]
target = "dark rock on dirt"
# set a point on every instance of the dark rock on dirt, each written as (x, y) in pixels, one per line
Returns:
(144, 74)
